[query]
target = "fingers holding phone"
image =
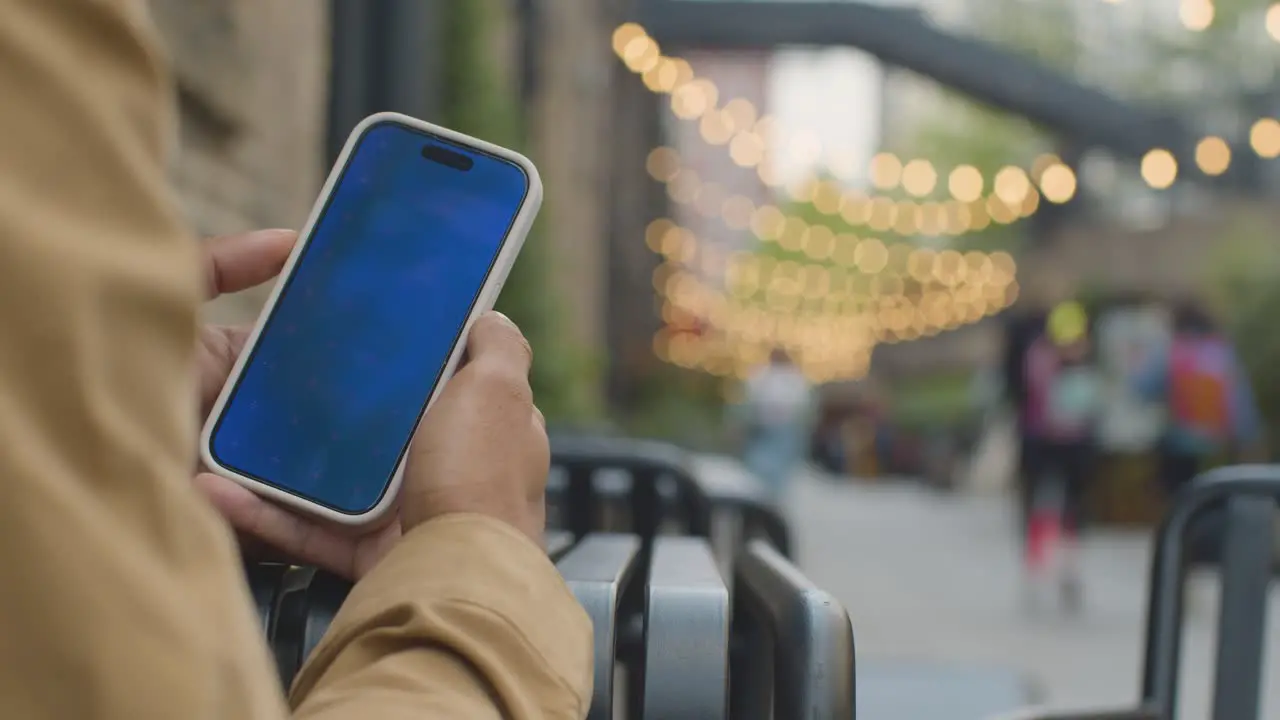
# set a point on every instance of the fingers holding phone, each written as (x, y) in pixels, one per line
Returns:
(409, 244)
(483, 448)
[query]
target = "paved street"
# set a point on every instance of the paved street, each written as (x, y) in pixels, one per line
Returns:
(933, 579)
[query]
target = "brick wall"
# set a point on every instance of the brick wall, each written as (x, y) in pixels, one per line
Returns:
(252, 78)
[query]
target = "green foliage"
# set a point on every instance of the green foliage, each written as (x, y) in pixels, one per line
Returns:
(683, 407)
(479, 102)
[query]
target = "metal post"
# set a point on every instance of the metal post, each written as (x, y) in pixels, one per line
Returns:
(412, 60)
(384, 55)
(1168, 570)
(751, 661)
(350, 63)
(530, 19)
(581, 500)
(1242, 620)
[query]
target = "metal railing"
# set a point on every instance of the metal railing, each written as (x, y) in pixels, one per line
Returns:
(1245, 498)
(633, 543)
(598, 571)
(797, 657)
(1042, 714)
(685, 668)
(1247, 495)
(618, 485)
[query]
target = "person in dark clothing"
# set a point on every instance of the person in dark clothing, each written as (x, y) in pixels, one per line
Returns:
(1020, 333)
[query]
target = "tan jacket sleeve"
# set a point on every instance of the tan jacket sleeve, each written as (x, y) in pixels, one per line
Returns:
(464, 611)
(120, 591)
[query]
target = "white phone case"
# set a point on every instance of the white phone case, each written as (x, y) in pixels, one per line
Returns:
(488, 294)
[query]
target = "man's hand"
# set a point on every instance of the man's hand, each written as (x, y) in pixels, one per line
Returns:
(482, 448)
(232, 264)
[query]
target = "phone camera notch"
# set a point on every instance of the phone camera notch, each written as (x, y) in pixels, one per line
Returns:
(447, 157)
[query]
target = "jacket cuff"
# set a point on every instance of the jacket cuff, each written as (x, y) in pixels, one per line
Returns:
(481, 590)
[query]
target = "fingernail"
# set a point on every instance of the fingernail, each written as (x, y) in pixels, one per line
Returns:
(272, 234)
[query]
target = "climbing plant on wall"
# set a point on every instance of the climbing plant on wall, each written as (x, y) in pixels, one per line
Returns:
(479, 100)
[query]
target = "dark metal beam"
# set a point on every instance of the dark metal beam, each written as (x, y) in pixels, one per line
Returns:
(999, 77)
(386, 55)
(529, 17)
(350, 64)
(411, 57)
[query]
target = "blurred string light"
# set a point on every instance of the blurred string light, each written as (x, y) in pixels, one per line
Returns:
(1196, 15)
(830, 316)
(829, 345)
(1264, 137)
(1213, 155)
(1013, 197)
(746, 133)
(738, 126)
(886, 311)
(832, 253)
(1159, 168)
(831, 313)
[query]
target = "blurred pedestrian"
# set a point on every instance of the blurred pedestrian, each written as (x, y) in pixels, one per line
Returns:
(1021, 331)
(1211, 417)
(775, 421)
(1063, 402)
(1212, 414)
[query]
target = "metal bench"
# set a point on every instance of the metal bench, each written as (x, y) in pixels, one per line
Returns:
(796, 659)
(670, 633)
(598, 571)
(620, 485)
(685, 653)
(673, 646)
(1139, 714)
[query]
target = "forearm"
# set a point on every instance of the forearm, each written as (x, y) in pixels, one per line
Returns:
(465, 618)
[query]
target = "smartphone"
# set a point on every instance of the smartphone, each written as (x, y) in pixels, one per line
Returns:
(411, 240)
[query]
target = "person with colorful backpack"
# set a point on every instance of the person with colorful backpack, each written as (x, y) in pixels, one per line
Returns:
(1212, 413)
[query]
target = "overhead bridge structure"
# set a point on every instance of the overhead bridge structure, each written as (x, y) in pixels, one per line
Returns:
(997, 76)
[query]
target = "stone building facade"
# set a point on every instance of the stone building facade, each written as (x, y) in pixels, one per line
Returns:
(252, 77)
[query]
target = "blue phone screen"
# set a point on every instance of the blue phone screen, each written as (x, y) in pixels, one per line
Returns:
(349, 356)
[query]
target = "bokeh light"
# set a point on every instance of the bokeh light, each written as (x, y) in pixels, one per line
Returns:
(1213, 155)
(965, 183)
(1159, 168)
(1012, 185)
(1058, 183)
(919, 177)
(886, 171)
(1264, 137)
(1196, 15)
